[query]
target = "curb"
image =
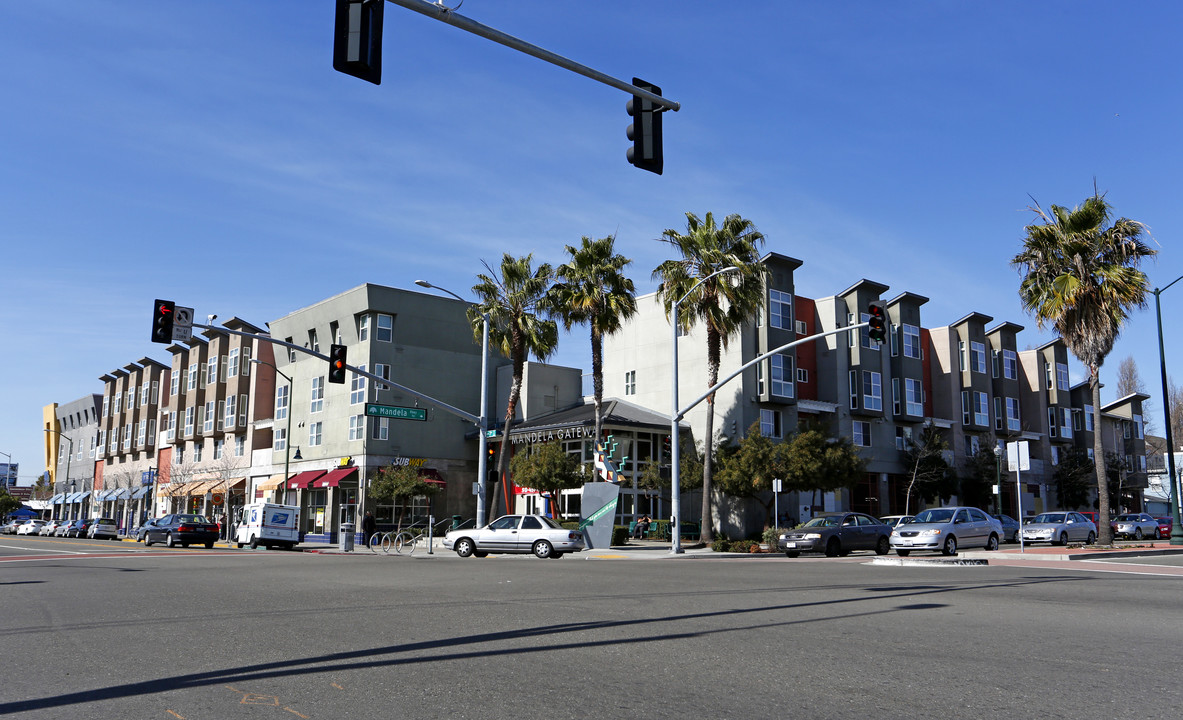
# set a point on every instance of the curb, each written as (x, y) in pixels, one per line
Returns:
(930, 562)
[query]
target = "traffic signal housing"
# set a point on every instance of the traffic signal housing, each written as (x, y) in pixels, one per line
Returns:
(357, 39)
(877, 312)
(163, 312)
(645, 131)
(337, 364)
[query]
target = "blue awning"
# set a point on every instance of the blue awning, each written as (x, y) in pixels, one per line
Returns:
(83, 495)
(120, 494)
(138, 494)
(57, 499)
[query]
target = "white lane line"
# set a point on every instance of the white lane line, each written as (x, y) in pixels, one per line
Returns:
(32, 549)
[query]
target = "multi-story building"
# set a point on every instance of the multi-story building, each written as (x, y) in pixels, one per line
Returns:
(125, 455)
(74, 427)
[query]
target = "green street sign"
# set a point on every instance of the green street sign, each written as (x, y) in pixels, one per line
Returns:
(398, 413)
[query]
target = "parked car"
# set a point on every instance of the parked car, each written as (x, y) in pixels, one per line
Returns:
(1134, 525)
(516, 534)
(141, 530)
(896, 520)
(837, 534)
(947, 529)
(78, 528)
(48, 528)
(30, 527)
(9, 528)
(1010, 528)
(63, 526)
(182, 529)
(1060, 528)
(1164, 527)
(103, 528)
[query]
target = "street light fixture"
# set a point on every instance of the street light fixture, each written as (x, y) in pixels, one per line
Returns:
(287, 437)
(71, 442)
(675, 438)
(1176, 525)
(483, 418)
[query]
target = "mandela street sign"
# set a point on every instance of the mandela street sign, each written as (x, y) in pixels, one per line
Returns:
(398, 413)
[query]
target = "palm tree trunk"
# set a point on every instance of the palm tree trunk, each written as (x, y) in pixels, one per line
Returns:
(706, 528)
(501, 480)
(597, 353)
(1104, 532)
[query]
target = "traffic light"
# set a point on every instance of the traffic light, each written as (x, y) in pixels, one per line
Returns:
(163, 312)
(337, 364)
(357, 39)
(645, 131)
(878, 321)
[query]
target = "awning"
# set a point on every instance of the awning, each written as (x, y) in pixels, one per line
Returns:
(72, 498)
(303, 480)
(57, 499)
(221, 486)
(139, 494)
(334, 478)
(120, 494)
(432, 476)
(101, 495)
(83, 496)
(270, 483)
(200, 487)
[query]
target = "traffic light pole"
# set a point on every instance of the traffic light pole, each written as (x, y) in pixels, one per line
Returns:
(451, 17)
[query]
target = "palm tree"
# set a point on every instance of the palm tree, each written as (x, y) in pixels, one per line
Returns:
(724, 303)
(516, 302)
(1082, 278)
(593, 290)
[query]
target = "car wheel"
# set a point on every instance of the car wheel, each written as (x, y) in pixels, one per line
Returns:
(239, 545)
(168, 541)
(882, 547)
(992, 542)
(209, 546)
(147, 542)
(950, 547)
(464, 547)
(479, 553)
(903, 553)
(1063, 539)
(556, 555)
(833, 548)
(789, 553)
(543, 549)
(1091, 539)
(254, 542)
(1137, 533)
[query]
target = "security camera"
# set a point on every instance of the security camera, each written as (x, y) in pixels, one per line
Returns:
(211, 318)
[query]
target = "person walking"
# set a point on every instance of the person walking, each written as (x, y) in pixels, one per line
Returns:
(367, 528)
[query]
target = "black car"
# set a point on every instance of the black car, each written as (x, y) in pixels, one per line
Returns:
(837, 534)
(78, 528)
(182, 529)
(141, 530)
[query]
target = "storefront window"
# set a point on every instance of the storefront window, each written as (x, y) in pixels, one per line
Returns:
(314, 518)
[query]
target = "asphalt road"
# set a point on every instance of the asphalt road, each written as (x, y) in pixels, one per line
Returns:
(116, 631)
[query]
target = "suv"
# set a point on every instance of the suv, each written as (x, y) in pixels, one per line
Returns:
(103, 528)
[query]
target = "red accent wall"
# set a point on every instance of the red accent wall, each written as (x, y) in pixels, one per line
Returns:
(98, 475)
(805, 311)
(926, 345)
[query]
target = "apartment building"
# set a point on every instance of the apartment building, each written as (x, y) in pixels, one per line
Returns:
(71, 441)
(125, 455)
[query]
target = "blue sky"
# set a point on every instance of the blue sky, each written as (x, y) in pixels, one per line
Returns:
(206, 152)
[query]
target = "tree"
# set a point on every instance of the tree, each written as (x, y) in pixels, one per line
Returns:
(816, 462)
(749, 470)
(1129, 381)
(1073, 478)
(393, 482)
(656, 476)
(7, 502)
(1116, 475)
(594, 290)
(723, 304)
(978, 476)
(930, 476)
(515, 299)
(548, 469)
(1081, 276)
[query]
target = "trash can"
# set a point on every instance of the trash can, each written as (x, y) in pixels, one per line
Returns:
(455, 521)
(346, 537)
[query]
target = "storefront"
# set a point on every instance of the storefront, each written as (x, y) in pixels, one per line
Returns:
(326, 498)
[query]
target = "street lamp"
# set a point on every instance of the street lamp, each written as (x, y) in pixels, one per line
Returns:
(675, 438)
(483, 418)
(287, 437)
(1176, 525)
(998, 478)
(71, 442)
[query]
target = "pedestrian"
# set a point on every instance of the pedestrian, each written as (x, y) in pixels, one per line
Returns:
(367, 528)
(642, 527)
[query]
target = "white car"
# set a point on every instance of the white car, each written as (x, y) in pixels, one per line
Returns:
(945, 530)
(30, 527)
(536, 534)
(49, 527)
(1135, 525)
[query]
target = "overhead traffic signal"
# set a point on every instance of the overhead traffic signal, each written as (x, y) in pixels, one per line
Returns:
(645, 131)
(163, 312)
(337, 364)
(877, 311)
(357, 39)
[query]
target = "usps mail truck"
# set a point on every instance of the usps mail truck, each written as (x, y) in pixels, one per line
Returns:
(268, 525)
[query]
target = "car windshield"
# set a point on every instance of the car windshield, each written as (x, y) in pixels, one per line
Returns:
(550, 522)
(1128, 518)
(1052, 518)
(824, 521)
(940, 515)
(191, 519)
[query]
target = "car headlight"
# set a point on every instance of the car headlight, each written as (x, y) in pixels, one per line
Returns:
(930, 531)
(813, 536)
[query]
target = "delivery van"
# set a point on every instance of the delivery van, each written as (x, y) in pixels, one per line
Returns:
(268, 525)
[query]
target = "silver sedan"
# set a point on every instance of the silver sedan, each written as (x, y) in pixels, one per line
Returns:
(1060, 528)
(1135, 525)
(536, 534)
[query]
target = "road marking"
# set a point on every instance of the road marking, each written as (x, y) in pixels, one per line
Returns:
(33, 549)
(176, 715)
(337, 686)
(296, 713)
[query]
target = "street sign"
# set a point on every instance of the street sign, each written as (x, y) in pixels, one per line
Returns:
(182, 324)
(398, 413)
(1018, 456)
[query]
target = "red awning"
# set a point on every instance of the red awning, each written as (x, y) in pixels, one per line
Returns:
(333, 478)
(432, 475)
(303, 480)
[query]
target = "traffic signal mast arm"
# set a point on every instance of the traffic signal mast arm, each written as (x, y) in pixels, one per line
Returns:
(385, 381)
(714, 388)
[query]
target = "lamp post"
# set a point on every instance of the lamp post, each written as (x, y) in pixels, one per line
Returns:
(483, 418)
(675, 439)
(71, 442)
(1176, 525)
(997, 478)
(287, 436)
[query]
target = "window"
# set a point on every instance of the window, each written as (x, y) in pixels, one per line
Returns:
(893, 336)
(760, 379)
(997, 412)
(1051, 422)
(188, 421)
(971, 445)
(1065, 422)
(219, 448)
(335, 333)
(243, 406)
(1088, 418)
(981, 409)
(357, 388)
(291, 351)
(903, 437)
(1076, 422)
(802, 375)
(211, 370)
(802, 328)
(106, 406)
(356, 427)
(854, 386)
(913, 397)
(382, 371)
(630, 382)
(1012, 414)
(911, 341)
(179, 456)
(171, 429)
(1137, 427)
(225, 366)
(770, 423)
(782, 376)
(385, 329)
(780, 310)
(92, 446)
(210, 414)
(995, 363)
(1055, 454)
(363, 328)
(318, 395)
(282, 399)
(895, 396)
(145, 393)
(118, 402)
(865, 333)
(381, 429)
(232, 364)
(313, 341)
(280, 439)
(861, 433)
(231, 408)
(197, 448)
(1010, 365)
(314, 434)
(1062, 376)
(239, 445)
(141, 432)
(191, 383)
(965, 407)
(245, 367)
(962, 360)
(1047, 374)
(872, 390)
(977, 354)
